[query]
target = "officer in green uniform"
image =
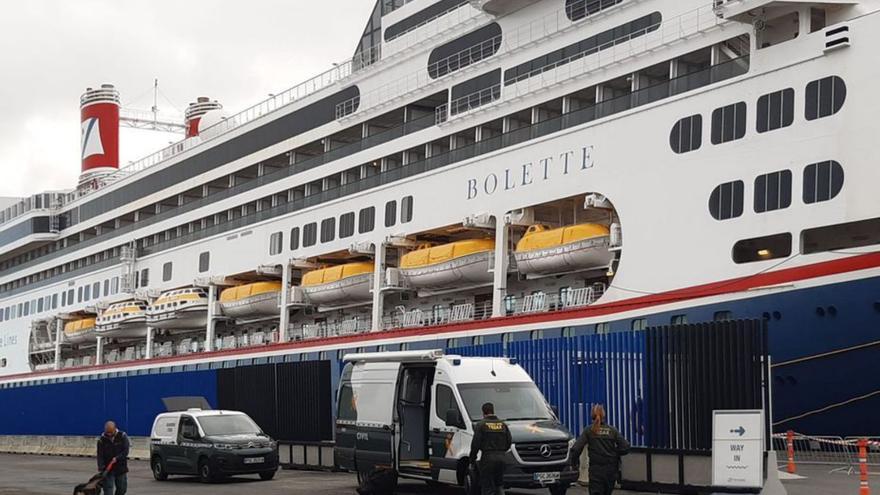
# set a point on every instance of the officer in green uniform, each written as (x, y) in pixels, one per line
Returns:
(492, 438)
(606, 446)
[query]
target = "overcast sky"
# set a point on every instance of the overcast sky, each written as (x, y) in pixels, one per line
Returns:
(233, 51)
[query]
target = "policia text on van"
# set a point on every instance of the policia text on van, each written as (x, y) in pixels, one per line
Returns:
(411, 414)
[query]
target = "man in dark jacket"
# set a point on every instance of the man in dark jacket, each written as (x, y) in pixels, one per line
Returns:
(606, 445)
(492, 438)
(114, 445)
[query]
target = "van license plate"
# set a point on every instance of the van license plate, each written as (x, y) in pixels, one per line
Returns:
(547, 478)
(254, 460)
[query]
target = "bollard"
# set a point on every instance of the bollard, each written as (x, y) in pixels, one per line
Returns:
(789, 442)
(863, 467)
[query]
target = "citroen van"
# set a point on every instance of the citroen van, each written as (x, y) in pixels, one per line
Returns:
(210, 444)
(412, 414)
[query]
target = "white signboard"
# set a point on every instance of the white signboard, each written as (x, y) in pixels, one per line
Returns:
(738, 449)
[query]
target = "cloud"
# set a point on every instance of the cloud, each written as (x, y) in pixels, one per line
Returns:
(235, 52)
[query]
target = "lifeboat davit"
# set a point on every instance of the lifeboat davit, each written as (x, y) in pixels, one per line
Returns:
(251, 300)
(180, 309)
(543, 250)
(349, 283)
(80, 331)
(449, 265)
(125, 320)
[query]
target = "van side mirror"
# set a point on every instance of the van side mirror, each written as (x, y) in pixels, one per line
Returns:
(453, 418)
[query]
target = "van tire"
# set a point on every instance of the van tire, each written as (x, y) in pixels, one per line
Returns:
(267, 475)
(158, 467)
(206, 474)
(559, 489)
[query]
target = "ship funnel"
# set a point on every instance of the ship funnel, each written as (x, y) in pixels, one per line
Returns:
(194, 113)
(99, 117)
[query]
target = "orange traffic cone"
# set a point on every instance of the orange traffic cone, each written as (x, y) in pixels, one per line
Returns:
(790, 448)
(863, 468)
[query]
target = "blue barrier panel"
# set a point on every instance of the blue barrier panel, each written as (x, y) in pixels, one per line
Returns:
(81, 408)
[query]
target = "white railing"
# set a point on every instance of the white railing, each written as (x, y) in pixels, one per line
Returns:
(433, 21)
(613, 52)
(345, 327)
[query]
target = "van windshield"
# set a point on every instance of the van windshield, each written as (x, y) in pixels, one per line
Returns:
(229, 424)
(513, 401)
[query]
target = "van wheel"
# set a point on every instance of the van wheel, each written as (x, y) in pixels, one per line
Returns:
(158, 466)
(206, 474)
(558, 489)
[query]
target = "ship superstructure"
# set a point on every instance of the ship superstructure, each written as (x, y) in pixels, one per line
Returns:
(482, 172)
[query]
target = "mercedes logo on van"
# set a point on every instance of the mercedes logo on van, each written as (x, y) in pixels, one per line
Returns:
(546, 451)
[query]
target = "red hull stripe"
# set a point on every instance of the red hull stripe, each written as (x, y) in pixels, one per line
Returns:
(787, 275)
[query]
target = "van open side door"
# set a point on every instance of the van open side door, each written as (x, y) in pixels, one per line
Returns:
(450, 438)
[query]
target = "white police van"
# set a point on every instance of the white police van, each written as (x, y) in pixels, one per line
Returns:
(411, 414)
(210, 444)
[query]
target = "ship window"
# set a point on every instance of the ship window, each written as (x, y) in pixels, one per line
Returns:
(679, 320)
(825, 97)
(3, 363)
(310, 234)
(204, 262)
(406, 209)
(367, 220)
(70, 296)
(294, 238)
(773, 191)
(96, 290)
(726, 201)
(775, 110)
(40, 305)
(723, 316)
(107, 287)
(639, 324)
(603, 328)
(166, 271)
(346, 225)
(54, 301)
(114, 285)
(764, 248)
(63, 298)
(328, 229)
(729, 123)
(87, 293)
(687, 134)
(822, 181)
(390, 213)
(276, 243)
(581, 9)
(536, 335)
(841, 236)
(145, 277)
(422, 17)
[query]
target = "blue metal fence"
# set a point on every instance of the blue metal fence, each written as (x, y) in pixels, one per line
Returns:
(659, 386)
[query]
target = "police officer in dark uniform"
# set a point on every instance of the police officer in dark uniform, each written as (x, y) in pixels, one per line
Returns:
(606, 446)
(492, 438)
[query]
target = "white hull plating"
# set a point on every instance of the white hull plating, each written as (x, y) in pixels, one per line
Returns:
(346, 291)
(468, 270)
(252, 307)
(580, 255)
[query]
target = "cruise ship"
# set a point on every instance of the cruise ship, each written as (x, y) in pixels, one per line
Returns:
(477, 173)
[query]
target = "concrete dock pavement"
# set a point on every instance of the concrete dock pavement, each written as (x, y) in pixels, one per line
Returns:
(47, 475)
